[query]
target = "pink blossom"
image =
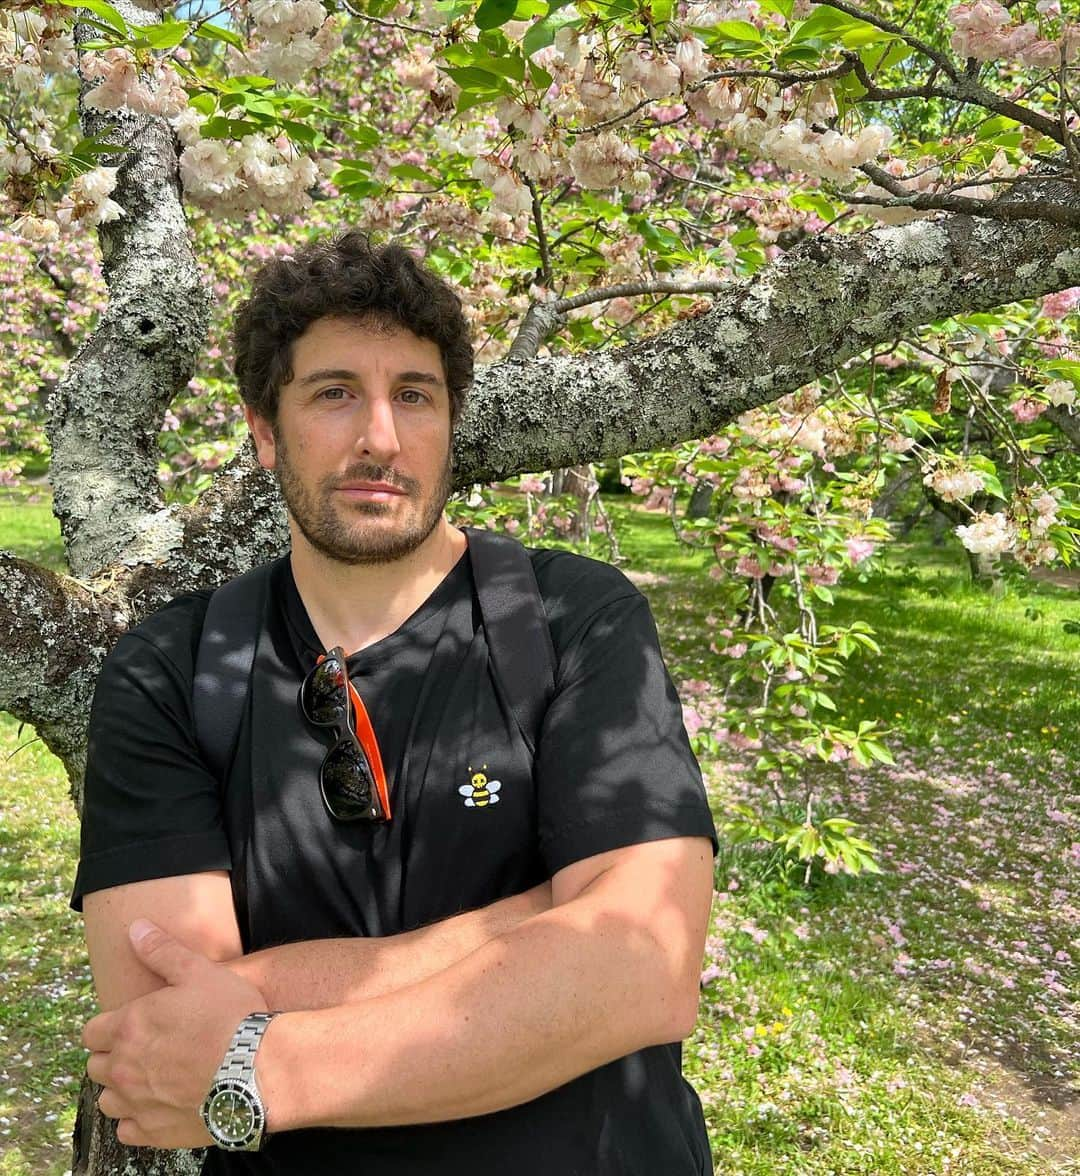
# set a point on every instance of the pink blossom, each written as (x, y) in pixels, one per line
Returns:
(822, 574)
(860, 549)
(1026, 410)
(1057, 306)
(737, 650)
(748, 565)
(692, 721)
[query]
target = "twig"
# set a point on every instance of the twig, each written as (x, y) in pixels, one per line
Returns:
(541, 236)
(388, 24)
(943, 61)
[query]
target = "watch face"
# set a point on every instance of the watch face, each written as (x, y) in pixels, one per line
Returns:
(233, 1117)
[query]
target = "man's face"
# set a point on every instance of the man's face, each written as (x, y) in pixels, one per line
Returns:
(361, 445)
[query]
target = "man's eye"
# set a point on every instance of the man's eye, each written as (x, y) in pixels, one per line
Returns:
(332, 393)
(413, 396)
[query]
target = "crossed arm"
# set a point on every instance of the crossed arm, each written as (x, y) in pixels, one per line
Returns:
(537, 991)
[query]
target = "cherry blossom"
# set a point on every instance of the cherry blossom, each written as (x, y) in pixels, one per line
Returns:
(989, 534)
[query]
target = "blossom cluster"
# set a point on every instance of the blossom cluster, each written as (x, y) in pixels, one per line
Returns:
(123, 84)
(985, 31)
(953, 483)
(29, 46)
(290, 39)
(235, 177)
(989, 534)
(793, 142)
(1022, 530)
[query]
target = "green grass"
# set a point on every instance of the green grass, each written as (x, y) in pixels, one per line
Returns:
(28, 528)
(905, 1025)
(861, 1036)
(45, 980)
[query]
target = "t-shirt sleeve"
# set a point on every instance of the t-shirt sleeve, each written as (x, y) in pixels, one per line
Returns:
(614, 765)
(151, 807)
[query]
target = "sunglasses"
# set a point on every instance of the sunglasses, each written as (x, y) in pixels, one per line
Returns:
(351, 778)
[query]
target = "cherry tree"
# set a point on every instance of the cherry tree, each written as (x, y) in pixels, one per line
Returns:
(778, 250)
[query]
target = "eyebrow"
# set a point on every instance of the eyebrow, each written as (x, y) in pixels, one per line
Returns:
(346, 374)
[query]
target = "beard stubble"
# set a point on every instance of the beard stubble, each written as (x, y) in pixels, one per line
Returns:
(331, 531)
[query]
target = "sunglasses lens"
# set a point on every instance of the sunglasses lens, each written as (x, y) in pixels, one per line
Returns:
(347, 784)
(324, 696)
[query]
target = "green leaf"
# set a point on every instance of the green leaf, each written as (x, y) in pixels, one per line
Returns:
(541, 79)
(542, 34)
(493, 13)
(229, 128)
(215, 32)
(993, 485)
(824, 23)
(879, 751)
(409, 171)
(995, 126)
(736, 30)
(104, 12)
(479, 81)
(301, 132)
(204, 103)
(166, 35)
(862, 756)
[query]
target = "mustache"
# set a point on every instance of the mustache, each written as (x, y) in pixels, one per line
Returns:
(365, 472)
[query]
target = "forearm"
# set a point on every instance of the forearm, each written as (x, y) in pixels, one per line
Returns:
(322, 973)
(561, 994)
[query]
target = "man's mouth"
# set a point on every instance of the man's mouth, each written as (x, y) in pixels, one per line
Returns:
(371, 491)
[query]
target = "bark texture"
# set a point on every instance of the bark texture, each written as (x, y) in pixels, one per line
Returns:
(106, 413)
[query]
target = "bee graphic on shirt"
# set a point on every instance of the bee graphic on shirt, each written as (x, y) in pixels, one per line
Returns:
(480, 791)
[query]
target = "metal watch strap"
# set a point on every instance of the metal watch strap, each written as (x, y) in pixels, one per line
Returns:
(239, 1059)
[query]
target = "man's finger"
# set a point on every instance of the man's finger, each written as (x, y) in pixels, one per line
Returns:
(163, 954)
(99, 1032)
(114, 1106)
(97, 1068)
(128, 1131)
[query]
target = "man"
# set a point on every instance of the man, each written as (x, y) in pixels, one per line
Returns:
(487, 977)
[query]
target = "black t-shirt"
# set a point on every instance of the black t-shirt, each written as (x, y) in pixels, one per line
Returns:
(613, 768)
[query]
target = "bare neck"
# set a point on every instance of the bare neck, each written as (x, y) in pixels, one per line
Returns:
(355, 606)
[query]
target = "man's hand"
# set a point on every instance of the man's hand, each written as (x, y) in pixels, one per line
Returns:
(157, 1055)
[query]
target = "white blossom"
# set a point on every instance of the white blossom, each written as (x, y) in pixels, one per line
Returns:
(989, 534)
(953, 484)
(1060, 392)
(651, 72)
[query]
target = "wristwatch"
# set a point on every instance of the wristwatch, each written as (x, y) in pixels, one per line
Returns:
(233, 1110)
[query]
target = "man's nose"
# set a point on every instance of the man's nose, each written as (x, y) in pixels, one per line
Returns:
(378, 439)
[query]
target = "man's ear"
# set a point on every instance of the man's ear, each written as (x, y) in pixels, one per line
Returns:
(262, 433)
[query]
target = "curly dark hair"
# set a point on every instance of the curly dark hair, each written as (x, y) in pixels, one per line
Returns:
(344, 277)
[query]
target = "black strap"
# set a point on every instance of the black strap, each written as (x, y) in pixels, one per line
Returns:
(515, 626)
(223, 665)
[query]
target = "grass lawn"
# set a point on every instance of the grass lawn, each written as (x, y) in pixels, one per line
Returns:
(922, 1023)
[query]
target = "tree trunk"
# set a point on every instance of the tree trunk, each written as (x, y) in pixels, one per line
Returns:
(700, 504)
(985, 571)
(888, 501)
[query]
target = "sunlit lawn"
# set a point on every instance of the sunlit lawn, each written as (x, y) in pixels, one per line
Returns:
(918, 1024)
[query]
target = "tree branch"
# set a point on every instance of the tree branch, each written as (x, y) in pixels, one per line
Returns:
(942, 60)
(56, 633)
(106, 412)
(1049, 210)
(819, 305)
(541, 235)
